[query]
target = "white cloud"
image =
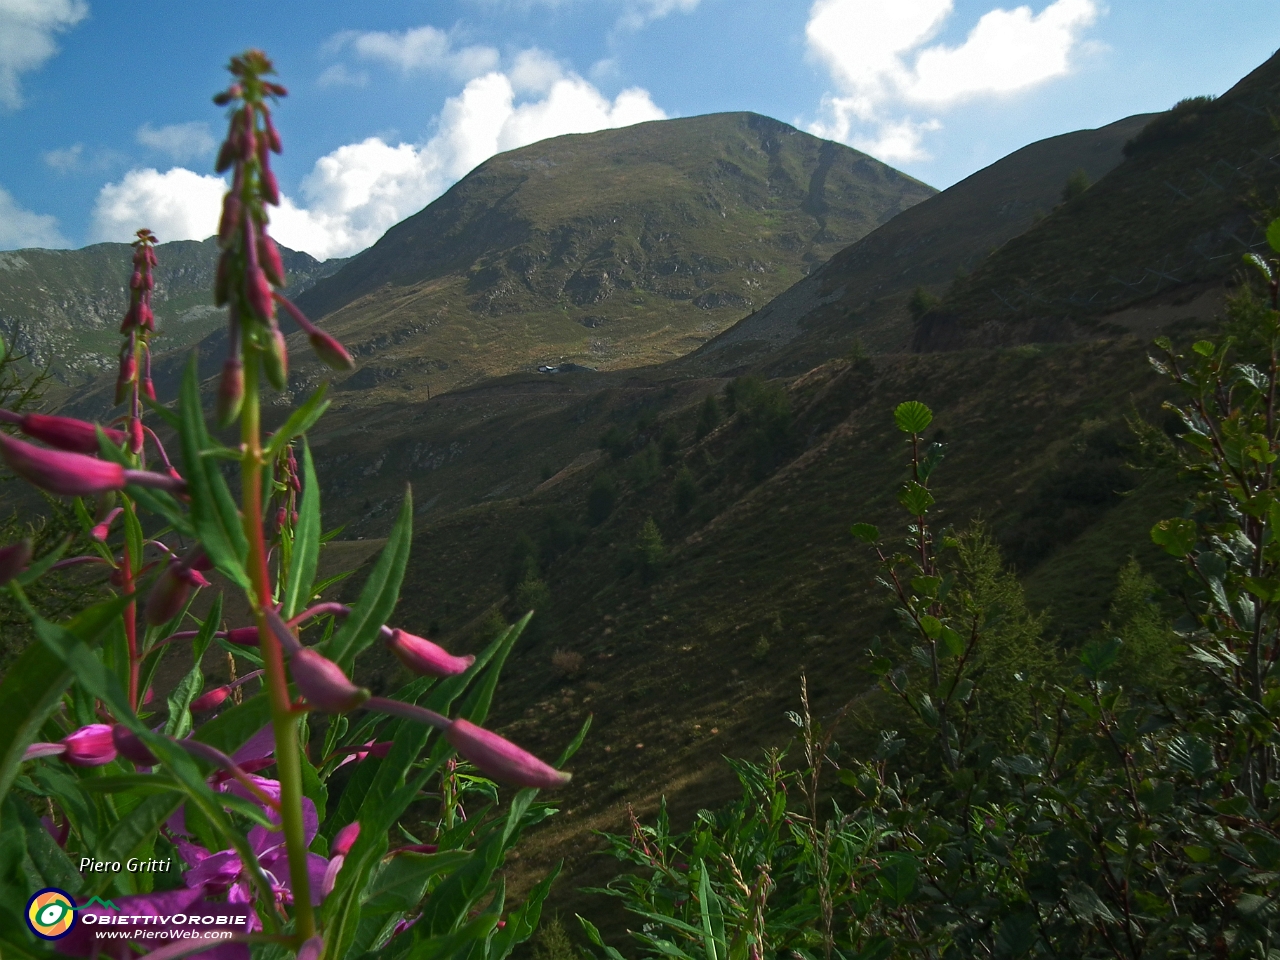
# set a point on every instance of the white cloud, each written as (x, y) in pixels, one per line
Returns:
(176, 205)
(410, 51)
(356, 193)
(65, 159)
(340, 75)
(21, 228)
(27, 29)
(638, 13)
(181, 141)
(877, 55)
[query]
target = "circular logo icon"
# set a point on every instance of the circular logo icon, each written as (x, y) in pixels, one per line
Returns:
(51, 913)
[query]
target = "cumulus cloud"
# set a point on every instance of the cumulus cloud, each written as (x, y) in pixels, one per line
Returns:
(410, 51)
(355, 193)
(638, 13)
(21, 228)
(176, 205)
(181, 141)
(27, 29)
(880, 60)
(65, 159)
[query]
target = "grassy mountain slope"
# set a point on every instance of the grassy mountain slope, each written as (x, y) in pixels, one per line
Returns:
(64, 306)
(1175, 217)
(611, 249)
(862, 291)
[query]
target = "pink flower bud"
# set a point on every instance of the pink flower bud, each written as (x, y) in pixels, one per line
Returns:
(280, 518)
(324, 684)
(257, 291)
(207, 701)
(243, 636)
(226, 156)
(269, 254)
(270, 187)
(230, 390)
(230, 221)
(135, 435)
(135, 281)
(130, 319)
(422, 656)
(66, 433)
(102, 530)
(146, 319)
(345, 840)
(59, 834)
(149, 389)
(170, 592)
(273, 138)
(331, 351)
(312, 948)
(14, 559)
(148, 281)
(131, 747)
(59, 472)
(501, 759)
(90, 746)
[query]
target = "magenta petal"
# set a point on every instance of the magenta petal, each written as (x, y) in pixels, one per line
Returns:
(261, 745)
(218, 870)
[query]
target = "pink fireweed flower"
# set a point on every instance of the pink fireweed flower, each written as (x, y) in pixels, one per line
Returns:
(422, 656)
(501, 759)
(90, 746)
(312, 948)
(14, 559)
(342, 844)
(324, 684)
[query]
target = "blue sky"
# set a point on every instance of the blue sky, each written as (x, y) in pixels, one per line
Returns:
(106, 122)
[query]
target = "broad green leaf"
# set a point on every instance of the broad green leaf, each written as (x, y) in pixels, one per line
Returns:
(1273, 234)
(1204, 348)
(1177, 535)
(379, 595)
(593, 935)
(916, 498)
(306, 540)
(866, 532)
(897, 878)
(912, 416)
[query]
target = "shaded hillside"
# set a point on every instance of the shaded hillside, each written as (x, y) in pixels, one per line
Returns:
(609, 249)
(862, 292)
(1175, 217)
(64, 306)
(699, 654)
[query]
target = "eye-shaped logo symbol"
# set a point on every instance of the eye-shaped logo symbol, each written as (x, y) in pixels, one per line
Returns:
(51, 913)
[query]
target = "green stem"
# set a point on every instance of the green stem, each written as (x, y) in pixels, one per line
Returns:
(283, 719)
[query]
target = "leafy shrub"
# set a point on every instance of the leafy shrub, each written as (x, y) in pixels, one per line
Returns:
(601, 499)
(1173, 126)
(921, 302)
(567, 663)
(650, 551)
(1076, 185)
(708, 416)
(685, 491)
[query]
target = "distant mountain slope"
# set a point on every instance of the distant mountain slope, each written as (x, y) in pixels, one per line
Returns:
(1176, 215)
(64, 306)
(607, 249)
(863, 290)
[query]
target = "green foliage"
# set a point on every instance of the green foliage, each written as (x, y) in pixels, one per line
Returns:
(523, 562)
(616, 442)
(1150, 652)
(601, 499)
(708, 416)
(1174, 126)
(645, 467)
(650, 550)
(921, 302)
(685, 491)
(669, 445)
(764, 409)
(1076, 185)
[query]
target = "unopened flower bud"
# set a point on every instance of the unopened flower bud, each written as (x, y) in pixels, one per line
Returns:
(131, 747)
(135, 281)
(90, 746)
(130, 319)
(273, 137)
(230, 222)
(257, 291)
(135, 435)
(345, 840)
(170, 592)
(422, 656)
(146, 319)
(275, 360)
(230, 391)
(102, 530)
(242, 636)
(14, 559)
(208, 701)
(269, 255)
(497, 757)
(324, 684)
(67, 433)
(280, 518)
(149, 389)
(60, 472)
(270, 187)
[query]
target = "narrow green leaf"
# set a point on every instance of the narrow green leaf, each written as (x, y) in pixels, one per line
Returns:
(1273, 234)
(306, 540)
(380, 593)
(299, 422)
(188, 688)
